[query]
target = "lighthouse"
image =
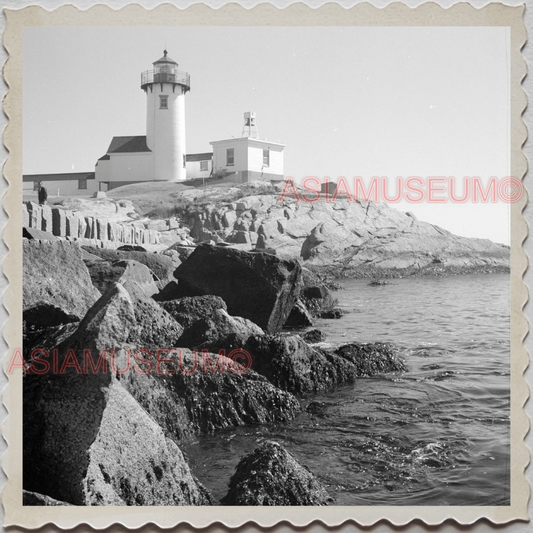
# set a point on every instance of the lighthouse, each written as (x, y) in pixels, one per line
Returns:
(160, 155)
(165, 89)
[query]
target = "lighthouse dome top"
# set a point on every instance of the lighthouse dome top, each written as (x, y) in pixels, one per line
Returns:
(165, 71)
(165, 59)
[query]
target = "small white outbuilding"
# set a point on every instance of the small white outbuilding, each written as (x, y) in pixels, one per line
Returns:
(249, 159)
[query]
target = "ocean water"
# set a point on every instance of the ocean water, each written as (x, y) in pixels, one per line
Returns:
(437, 434)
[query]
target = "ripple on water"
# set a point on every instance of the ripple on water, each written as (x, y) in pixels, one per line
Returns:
(435, 435)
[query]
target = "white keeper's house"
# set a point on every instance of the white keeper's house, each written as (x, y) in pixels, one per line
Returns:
(161, 154)
(248, 157)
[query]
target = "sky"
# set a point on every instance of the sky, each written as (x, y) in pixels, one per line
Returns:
(350, 101)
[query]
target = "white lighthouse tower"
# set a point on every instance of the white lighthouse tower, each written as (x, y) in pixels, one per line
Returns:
(165, 89)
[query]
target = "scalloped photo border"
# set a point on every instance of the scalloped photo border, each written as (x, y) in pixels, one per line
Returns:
(396, 14)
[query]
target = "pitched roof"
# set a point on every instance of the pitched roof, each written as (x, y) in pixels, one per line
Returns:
(207, 156)
(128, 144)
(165, 59)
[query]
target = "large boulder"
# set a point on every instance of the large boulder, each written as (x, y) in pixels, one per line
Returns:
(215, 327)
(160, 265)
(106, 273)
(86, 440)
(292, 365)
(123, 317)
(107, 326)
(145, 324)
(256, 286)
(53, 273)
(196, 393)
(272, 476)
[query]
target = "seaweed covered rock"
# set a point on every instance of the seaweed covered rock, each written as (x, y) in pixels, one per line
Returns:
(292, 365)
(332, 314)
(313, 336)
(53, 273)
(188, 310)
(271, 476)
(200, 392)
(379, 282)
(256, 286)
(373, 358)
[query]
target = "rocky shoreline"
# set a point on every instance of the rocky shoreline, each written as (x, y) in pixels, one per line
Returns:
(131, 353)
(103, 426)
(436, 270)
(340, 239)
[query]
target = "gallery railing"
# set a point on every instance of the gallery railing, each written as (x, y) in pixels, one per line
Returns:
(165, 76)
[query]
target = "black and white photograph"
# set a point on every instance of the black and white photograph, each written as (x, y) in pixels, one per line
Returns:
(267, 265)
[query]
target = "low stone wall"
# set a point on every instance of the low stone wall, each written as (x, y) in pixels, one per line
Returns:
(74, 226)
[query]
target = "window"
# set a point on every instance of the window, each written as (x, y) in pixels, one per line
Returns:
(82, 183)
(163, 101)
(266, 157)
(35, 185)
(203, 165)
(184, 161)
(230, 157)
